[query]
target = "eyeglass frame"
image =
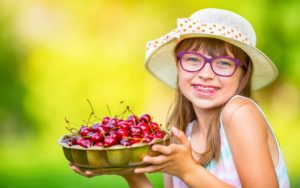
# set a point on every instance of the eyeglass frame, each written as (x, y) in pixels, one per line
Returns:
(207, 60)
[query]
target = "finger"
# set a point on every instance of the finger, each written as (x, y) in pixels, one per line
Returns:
(162, 149)
(158, 160)
(180, 136)
(78, 171)
(151, 168)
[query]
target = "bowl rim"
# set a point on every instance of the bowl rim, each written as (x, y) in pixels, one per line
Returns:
(115, 147)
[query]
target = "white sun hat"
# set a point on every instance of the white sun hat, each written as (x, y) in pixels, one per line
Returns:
(212, 23)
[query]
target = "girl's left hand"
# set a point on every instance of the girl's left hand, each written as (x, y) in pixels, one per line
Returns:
(175, 159)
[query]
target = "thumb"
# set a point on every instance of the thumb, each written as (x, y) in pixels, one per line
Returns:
(180, 136)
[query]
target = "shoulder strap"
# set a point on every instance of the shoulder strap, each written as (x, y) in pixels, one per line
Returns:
(189, 128)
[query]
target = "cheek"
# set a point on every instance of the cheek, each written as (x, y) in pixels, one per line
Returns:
(233, 82)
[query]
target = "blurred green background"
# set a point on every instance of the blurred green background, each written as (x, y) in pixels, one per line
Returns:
(55, 54)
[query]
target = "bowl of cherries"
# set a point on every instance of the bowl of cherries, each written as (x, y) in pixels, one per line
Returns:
(113, 143)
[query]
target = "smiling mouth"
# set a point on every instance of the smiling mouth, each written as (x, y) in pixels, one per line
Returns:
(205, 90)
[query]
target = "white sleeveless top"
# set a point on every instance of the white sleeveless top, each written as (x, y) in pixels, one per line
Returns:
(225, 168)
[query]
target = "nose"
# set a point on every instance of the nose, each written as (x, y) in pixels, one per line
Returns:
(206, 72)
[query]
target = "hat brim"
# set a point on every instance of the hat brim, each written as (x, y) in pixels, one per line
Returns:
(162, 62)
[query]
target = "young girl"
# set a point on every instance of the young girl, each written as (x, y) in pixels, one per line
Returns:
(221, 136)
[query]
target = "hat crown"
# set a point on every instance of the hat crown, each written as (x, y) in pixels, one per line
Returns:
(227, 18)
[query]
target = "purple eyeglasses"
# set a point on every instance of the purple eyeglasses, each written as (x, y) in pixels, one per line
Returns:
(194, 62)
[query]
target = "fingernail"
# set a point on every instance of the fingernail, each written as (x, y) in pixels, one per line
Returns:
(146, 159)
(88, 172)
(154, 147)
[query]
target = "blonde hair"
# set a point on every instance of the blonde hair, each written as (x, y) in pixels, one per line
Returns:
(182, 109)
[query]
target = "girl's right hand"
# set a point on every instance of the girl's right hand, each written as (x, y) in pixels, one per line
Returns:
(133, 180)
(98, 172)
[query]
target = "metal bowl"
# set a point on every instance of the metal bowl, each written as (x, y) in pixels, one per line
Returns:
(110, 159)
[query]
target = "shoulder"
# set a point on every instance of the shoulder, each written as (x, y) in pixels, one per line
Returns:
(243, 116)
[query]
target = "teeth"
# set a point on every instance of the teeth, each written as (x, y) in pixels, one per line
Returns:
(205, 89)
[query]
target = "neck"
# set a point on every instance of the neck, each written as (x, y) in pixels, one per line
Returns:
(204, 119)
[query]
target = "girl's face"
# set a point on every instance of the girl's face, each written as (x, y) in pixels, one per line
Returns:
(205, 89)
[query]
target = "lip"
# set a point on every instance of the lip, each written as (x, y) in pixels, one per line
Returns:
(205, 90)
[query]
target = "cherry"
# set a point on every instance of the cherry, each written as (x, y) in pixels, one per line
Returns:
(103, 129)
(144, 126)
(109, 141)
(133, 118)
(135, 139)
(84, 142)
(99, 144)
(147, 138)
(135, 130)
(159, 134)
(113, 121)
(95, 127)
(115, 134)
(96, 137)
(123, 124)
(123, 132)
(70, 141)
(84, 130)
(154, 126)
(105, 120)
(125, 141)
(146, 118)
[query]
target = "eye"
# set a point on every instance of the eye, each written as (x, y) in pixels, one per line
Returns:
(224, 63)
(191, 59)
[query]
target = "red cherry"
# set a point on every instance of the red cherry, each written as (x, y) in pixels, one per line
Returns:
(154, 126)
(84, 142)
(95, 127)
(84, 130)
(123, 132)
(70, 141)
(146, 118)
(96, 137)
(103, 129)
(147, 138)
(135, 130)
(147, 133)
(105, 120)
(133, 118)
(136, 139)
(123, 124)
(99, 144)
(125, 142)
(159, 134)
(112, 121)
(109, 141)
(144, 126)
(115, 134)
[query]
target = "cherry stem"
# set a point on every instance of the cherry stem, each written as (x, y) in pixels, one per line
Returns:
(72, 130)
(108, 109)
(92, 113)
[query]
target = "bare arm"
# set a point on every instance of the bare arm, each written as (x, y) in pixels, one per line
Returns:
(246, 130)
(168, 183)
